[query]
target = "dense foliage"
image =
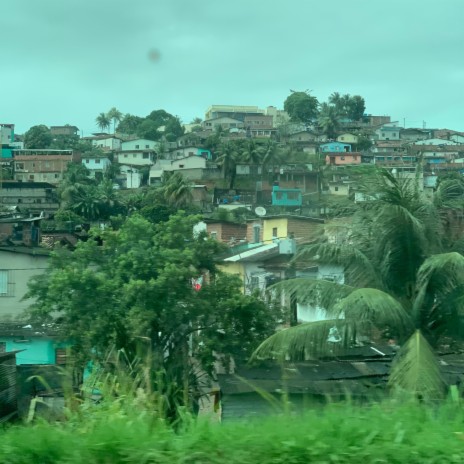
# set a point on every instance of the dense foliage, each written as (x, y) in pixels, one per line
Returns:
(386, 433)
(403, 276)
(134, 289)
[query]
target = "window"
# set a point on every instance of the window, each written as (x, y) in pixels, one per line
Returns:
(181, 165)
(213, 234)
(31, 176)
(342, 158)
(336, 189)
(145, 156)
(57, 176)
(274, 232)
(20, 200)
(6, 283)
(147, 146)
(137, 147)
(97, 161)
(61, 356)
(87, 161)
(394, 134)
(125, 155)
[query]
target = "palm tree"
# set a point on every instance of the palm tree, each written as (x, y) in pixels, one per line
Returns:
(271, 155)
(328, 120)
(177, 190)
(114, 115)
(103, 121)
(398, 278)
(228, 157)
(252, 153)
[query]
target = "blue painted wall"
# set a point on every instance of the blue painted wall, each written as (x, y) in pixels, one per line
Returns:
(37, 350)
(286, 197)
(336, 147)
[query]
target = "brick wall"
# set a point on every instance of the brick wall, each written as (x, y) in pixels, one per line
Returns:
(303, 230)
(225, 231)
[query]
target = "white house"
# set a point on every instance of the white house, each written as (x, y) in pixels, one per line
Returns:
(435, 142)
(388, 133)
(17, 266)
(136, 157)
(96, 164)
(138, 152)
(105, 142)
(191, 167)
(133, 177)
(139, 144)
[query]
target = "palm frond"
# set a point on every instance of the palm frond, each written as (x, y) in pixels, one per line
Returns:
(322, 293)
(416, 370)
(440, 289)
(308, 340)
(374, 307)
(356, 265)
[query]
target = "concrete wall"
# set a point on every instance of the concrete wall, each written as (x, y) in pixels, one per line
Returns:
(139, 144)
(21, 267)
(37, 350)
(96, 164)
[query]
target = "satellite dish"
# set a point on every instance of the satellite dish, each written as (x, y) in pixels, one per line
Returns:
(260, 211)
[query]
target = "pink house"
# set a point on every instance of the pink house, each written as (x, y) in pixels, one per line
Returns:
(343, 159)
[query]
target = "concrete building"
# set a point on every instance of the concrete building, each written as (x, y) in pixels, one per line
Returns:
(66, 130)
(42, 165)
(34, 197)
(232, 111)
(17, 266)
(105, 142)
(96, 164)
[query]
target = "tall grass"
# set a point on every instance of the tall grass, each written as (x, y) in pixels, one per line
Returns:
(340, 433)
(129, 425)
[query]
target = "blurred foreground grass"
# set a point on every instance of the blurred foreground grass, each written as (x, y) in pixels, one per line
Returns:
(339, 433)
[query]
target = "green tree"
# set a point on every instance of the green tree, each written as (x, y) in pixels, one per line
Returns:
(177, 190)
(148, 129)
(328, 120)
(356, 108)
(103, 122)
(228, 156)
(301, 107)
(252, 153)
(65, 142)
(351, 107)
(173, 129)
(38, 137)
(129, 124)
(136, 293)
(399, 278)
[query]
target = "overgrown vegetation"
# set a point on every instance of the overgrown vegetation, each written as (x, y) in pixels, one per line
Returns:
(340, 433)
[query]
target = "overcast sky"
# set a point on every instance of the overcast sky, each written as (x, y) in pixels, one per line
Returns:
(65, 61)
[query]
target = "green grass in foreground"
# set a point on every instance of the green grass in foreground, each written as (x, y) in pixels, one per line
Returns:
(385, 433)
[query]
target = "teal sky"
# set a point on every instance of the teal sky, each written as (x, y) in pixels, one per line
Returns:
(65, 61)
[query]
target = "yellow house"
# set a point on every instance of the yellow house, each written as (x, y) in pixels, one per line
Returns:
(347, 138)
(270, 246)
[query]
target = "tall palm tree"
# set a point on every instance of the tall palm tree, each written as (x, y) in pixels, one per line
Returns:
(177, 190)
(252, 153)
(114, 115)
(103, 121)
(328, 120)
(228, 156)
(271, 156)
(398, 277)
